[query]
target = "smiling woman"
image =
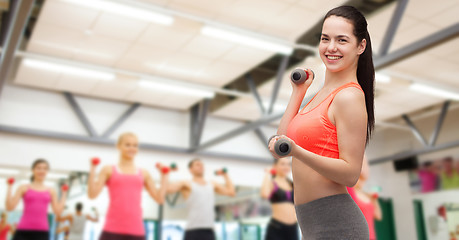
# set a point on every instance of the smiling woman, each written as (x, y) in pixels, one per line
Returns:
(328, 136)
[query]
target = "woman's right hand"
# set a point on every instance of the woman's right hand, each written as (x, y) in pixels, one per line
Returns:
(303, 87)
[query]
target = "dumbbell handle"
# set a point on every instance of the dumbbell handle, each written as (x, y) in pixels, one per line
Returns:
(282, 146)
(300, 75)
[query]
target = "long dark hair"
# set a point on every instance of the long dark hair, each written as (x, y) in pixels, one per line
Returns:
(365, 67)
(35, 163)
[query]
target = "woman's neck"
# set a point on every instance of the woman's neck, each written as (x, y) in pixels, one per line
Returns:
(336, 79)
(126, 161)
(37, 182)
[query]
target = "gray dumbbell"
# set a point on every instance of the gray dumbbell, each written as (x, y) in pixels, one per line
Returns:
(282, 146)
(299, 75)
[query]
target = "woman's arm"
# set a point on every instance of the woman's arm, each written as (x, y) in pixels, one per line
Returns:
(58, 205)
(95, 186)
(378, 212)
(158, 195)
(267, 185)
(351, 124)
(294, 104)
(12, 201)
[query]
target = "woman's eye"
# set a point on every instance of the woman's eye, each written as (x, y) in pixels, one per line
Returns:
(342, 40)
(324, 39)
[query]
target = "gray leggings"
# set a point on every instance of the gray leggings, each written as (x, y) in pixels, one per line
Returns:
(333, 217)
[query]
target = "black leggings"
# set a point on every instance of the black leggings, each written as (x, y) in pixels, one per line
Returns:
(200, 234)
(31, 235)
(116, 236)
(277, 230)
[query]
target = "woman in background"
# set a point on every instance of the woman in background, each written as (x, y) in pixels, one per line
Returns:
(125, 182)
(5, 227)
(36, 197)
(279, 191)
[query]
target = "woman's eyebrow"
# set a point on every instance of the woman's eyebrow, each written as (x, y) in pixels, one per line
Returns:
(343, 36)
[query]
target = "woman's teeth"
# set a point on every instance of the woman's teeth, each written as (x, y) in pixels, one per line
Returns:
(334, 57)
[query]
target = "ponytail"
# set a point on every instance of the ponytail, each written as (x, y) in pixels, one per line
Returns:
(365, 67)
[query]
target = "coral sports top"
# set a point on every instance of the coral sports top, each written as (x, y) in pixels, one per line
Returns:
(313, 130)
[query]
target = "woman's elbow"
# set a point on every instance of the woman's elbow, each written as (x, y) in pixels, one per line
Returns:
(351, 181)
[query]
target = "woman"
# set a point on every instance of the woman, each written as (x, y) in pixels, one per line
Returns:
(5, 228)
(36, 198)
(367, 202)
(125, 183)
(279, 191)
(328, 136)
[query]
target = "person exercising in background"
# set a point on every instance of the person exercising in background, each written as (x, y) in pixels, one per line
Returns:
(199, 195)
(78, 222)
(367, 202)
(279, 191)
(5, 227)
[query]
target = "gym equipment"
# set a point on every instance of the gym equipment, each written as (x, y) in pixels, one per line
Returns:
(10, 181)
(282, 147)
(221, 171)
(95, 161)
(300, 75)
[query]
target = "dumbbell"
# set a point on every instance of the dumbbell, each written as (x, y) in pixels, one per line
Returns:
(64, 187)
(282, 146)
(221, 171)
(10, 181)
(95, 161)
(375, 195)
(273, 171)
(166, 169)
(173, 167)
(300, 75)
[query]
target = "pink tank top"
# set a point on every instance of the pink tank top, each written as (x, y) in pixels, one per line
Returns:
(4, 232)
(124, 214)
(368, 210)
(35, 214)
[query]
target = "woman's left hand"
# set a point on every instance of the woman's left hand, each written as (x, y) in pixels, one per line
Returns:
(273, 141)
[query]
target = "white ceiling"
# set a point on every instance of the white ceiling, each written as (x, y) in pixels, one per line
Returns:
(180, 52)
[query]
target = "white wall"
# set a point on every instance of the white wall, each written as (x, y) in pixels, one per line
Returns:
(396, 184)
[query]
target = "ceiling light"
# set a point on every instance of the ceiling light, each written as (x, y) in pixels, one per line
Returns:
(244, 39)
(77, 71)
(6, 171)
(175, 89)
(422, 88)
(122, 9)
(382, 78)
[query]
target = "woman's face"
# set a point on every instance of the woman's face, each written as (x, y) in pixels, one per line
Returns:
(128, 147)
(283, 166)
(339, 48)
(40, 170)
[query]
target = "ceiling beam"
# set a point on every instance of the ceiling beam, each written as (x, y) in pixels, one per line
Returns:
(110, 142)
(17, 20)
(392, 28)
(418, 46)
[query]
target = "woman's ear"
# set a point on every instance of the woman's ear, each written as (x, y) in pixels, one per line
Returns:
(362, 46)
